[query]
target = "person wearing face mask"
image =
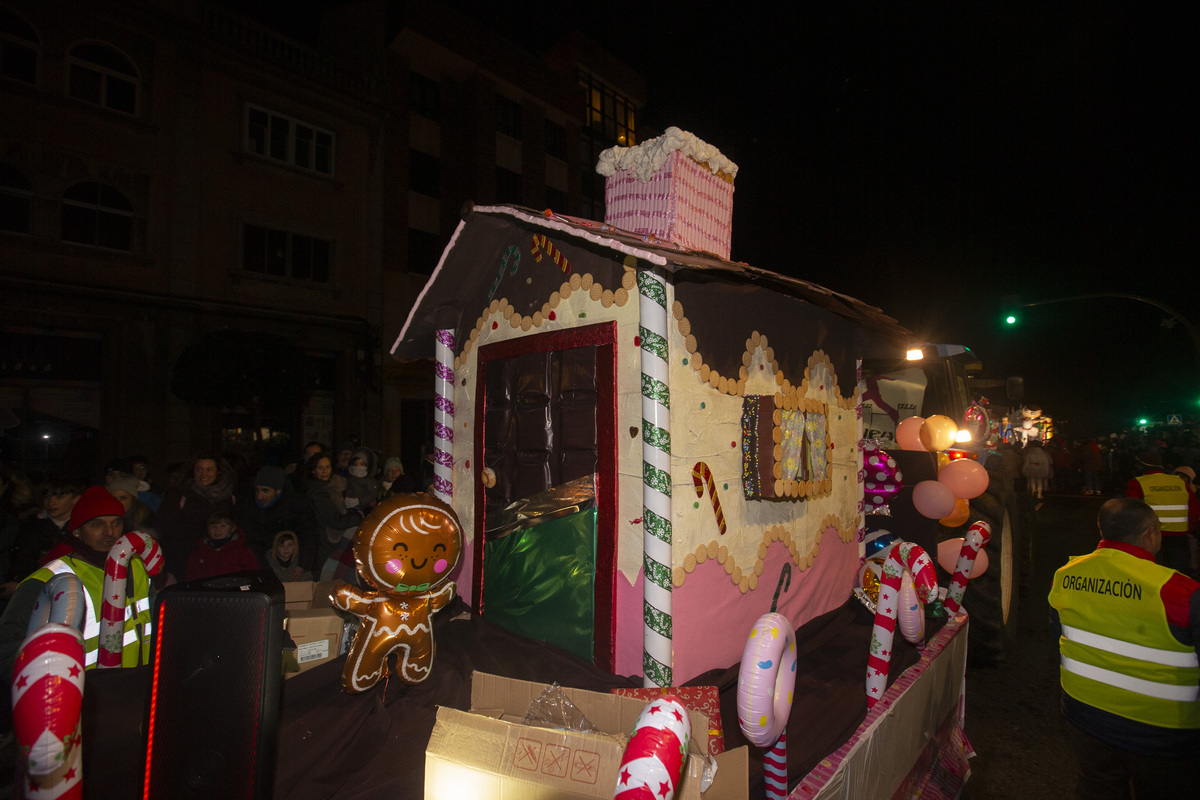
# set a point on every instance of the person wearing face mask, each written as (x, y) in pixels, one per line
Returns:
(362, 490)
(203, 488)
(97, 523)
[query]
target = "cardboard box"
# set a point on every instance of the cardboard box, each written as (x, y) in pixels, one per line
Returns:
(486, 753)
(317, 633)
(303, 595)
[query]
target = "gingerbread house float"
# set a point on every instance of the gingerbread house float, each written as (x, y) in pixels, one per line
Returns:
(639, 435)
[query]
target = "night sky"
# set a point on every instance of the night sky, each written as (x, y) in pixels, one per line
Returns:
(943, 160)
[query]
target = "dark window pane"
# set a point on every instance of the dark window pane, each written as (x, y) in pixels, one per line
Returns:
(104, 56)
(324, 154)
(280, 132)
(424, 173)
(424, 250)
(508, 116)
(304, 146)
(254, 249)
(426, 97)
(16, 27)
(302, 249)
(556, 200)
(114, 231)
(15, 212)
(508, 186)
(85, 84)
(86, 192)
(122, 95)
(78, 224)
(556, 140)
(256, 131)
(276, 253)
(111, 198)
(11, 176)
(18, 63)
(321, 260)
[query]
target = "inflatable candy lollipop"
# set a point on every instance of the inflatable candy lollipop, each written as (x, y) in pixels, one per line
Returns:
(653, 761)
(405, 549)
(904, 555)
(977, 536)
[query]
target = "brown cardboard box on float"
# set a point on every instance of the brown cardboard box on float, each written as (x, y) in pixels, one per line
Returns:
(312, 622)
(487, 753)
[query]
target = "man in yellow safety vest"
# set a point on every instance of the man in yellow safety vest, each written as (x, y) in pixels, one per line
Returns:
(1178, 509)
(1129, 631)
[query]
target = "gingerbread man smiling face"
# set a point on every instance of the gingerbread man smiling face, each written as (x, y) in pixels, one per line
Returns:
(406, 549)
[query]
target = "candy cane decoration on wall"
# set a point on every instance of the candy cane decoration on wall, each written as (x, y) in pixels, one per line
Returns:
(702, 477)
(978, 535)
(656, 481)
(653, 761)
(112, 607)
(905, 555)
(540, 241)
(443, 417)
(47, 700)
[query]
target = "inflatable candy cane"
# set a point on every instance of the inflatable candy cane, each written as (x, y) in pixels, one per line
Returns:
(905, 555)
(977, 537)
(62, 600)
(112, 608)
(47, 700)
(702, 476)
(443, 417)
(653, 761)
(540, 241)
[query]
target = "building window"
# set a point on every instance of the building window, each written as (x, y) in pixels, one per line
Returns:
(591, 190)
(289, 140)
(556, 140)
(508, 116)
(424, 173)
(609, 115)
(286, 255)
(96, 214)
(425, 97)
(103, 76)
(18, 48)
(556, 200)
(508, 186)
(16, 200)
(424, 251)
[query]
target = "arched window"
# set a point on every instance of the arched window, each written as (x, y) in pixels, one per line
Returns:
(95, 213)
(102, 75)
(16, 199)
(18, 47)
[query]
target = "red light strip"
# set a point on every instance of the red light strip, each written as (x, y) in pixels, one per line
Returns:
(162, 611)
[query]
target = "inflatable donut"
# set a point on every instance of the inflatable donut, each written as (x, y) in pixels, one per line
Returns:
(653, 762)
(766, 679)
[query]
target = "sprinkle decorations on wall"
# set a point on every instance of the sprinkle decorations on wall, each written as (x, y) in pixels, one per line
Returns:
(702, 478)
(656, 479)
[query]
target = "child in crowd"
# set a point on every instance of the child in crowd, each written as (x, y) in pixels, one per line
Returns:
(222, 550)
(283, 560)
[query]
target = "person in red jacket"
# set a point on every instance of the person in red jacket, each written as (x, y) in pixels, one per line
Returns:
(221, 551)
(1178, 509)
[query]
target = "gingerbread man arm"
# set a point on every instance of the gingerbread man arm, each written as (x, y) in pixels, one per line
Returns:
(441, 597)
(348, 598)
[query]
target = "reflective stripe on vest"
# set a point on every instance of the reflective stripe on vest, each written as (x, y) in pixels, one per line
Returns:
(1168, 496)
(1162, 691)
(1170, 658)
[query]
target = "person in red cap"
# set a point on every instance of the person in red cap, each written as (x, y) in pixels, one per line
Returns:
(97, 523)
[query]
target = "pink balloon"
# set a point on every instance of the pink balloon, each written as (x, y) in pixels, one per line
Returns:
(948, 552)
(908, 433)
(933, 499)
(964, 477)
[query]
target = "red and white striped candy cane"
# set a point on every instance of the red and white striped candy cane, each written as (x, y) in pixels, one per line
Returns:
(653, 761)
(112, 608)
(775, 768)
(47, 700)
(702, 476)
(540, 241)
(904, 555)
(978, 535)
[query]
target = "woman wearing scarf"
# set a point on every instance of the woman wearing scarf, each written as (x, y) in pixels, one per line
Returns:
(327, 492)
(203, 488)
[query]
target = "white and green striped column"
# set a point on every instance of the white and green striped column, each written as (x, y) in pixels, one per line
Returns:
(656, 481)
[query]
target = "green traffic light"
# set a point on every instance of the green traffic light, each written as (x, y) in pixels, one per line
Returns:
(1011, 319)
(1143, 421)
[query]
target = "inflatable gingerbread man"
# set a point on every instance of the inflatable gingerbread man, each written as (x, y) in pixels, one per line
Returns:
(405, 549)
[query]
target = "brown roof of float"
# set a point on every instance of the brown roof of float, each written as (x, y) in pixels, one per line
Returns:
(676, 258)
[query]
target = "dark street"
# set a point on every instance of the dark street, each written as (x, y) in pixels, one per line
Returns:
(1013, 718)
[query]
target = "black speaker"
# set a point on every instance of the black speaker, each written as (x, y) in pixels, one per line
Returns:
(214, 698)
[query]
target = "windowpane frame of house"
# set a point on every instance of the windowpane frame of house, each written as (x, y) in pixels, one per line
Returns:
(283, 254)
(424, 173)
(97, 215)
(508, 116)
(16, 200)
(101, 75)
(290, 141)
(425, 97)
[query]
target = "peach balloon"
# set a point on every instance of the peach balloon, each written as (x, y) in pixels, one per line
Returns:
(933, 499)
(964, 477)
(960, 514)
(948, 552)
(908, 433)
(938, 433)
